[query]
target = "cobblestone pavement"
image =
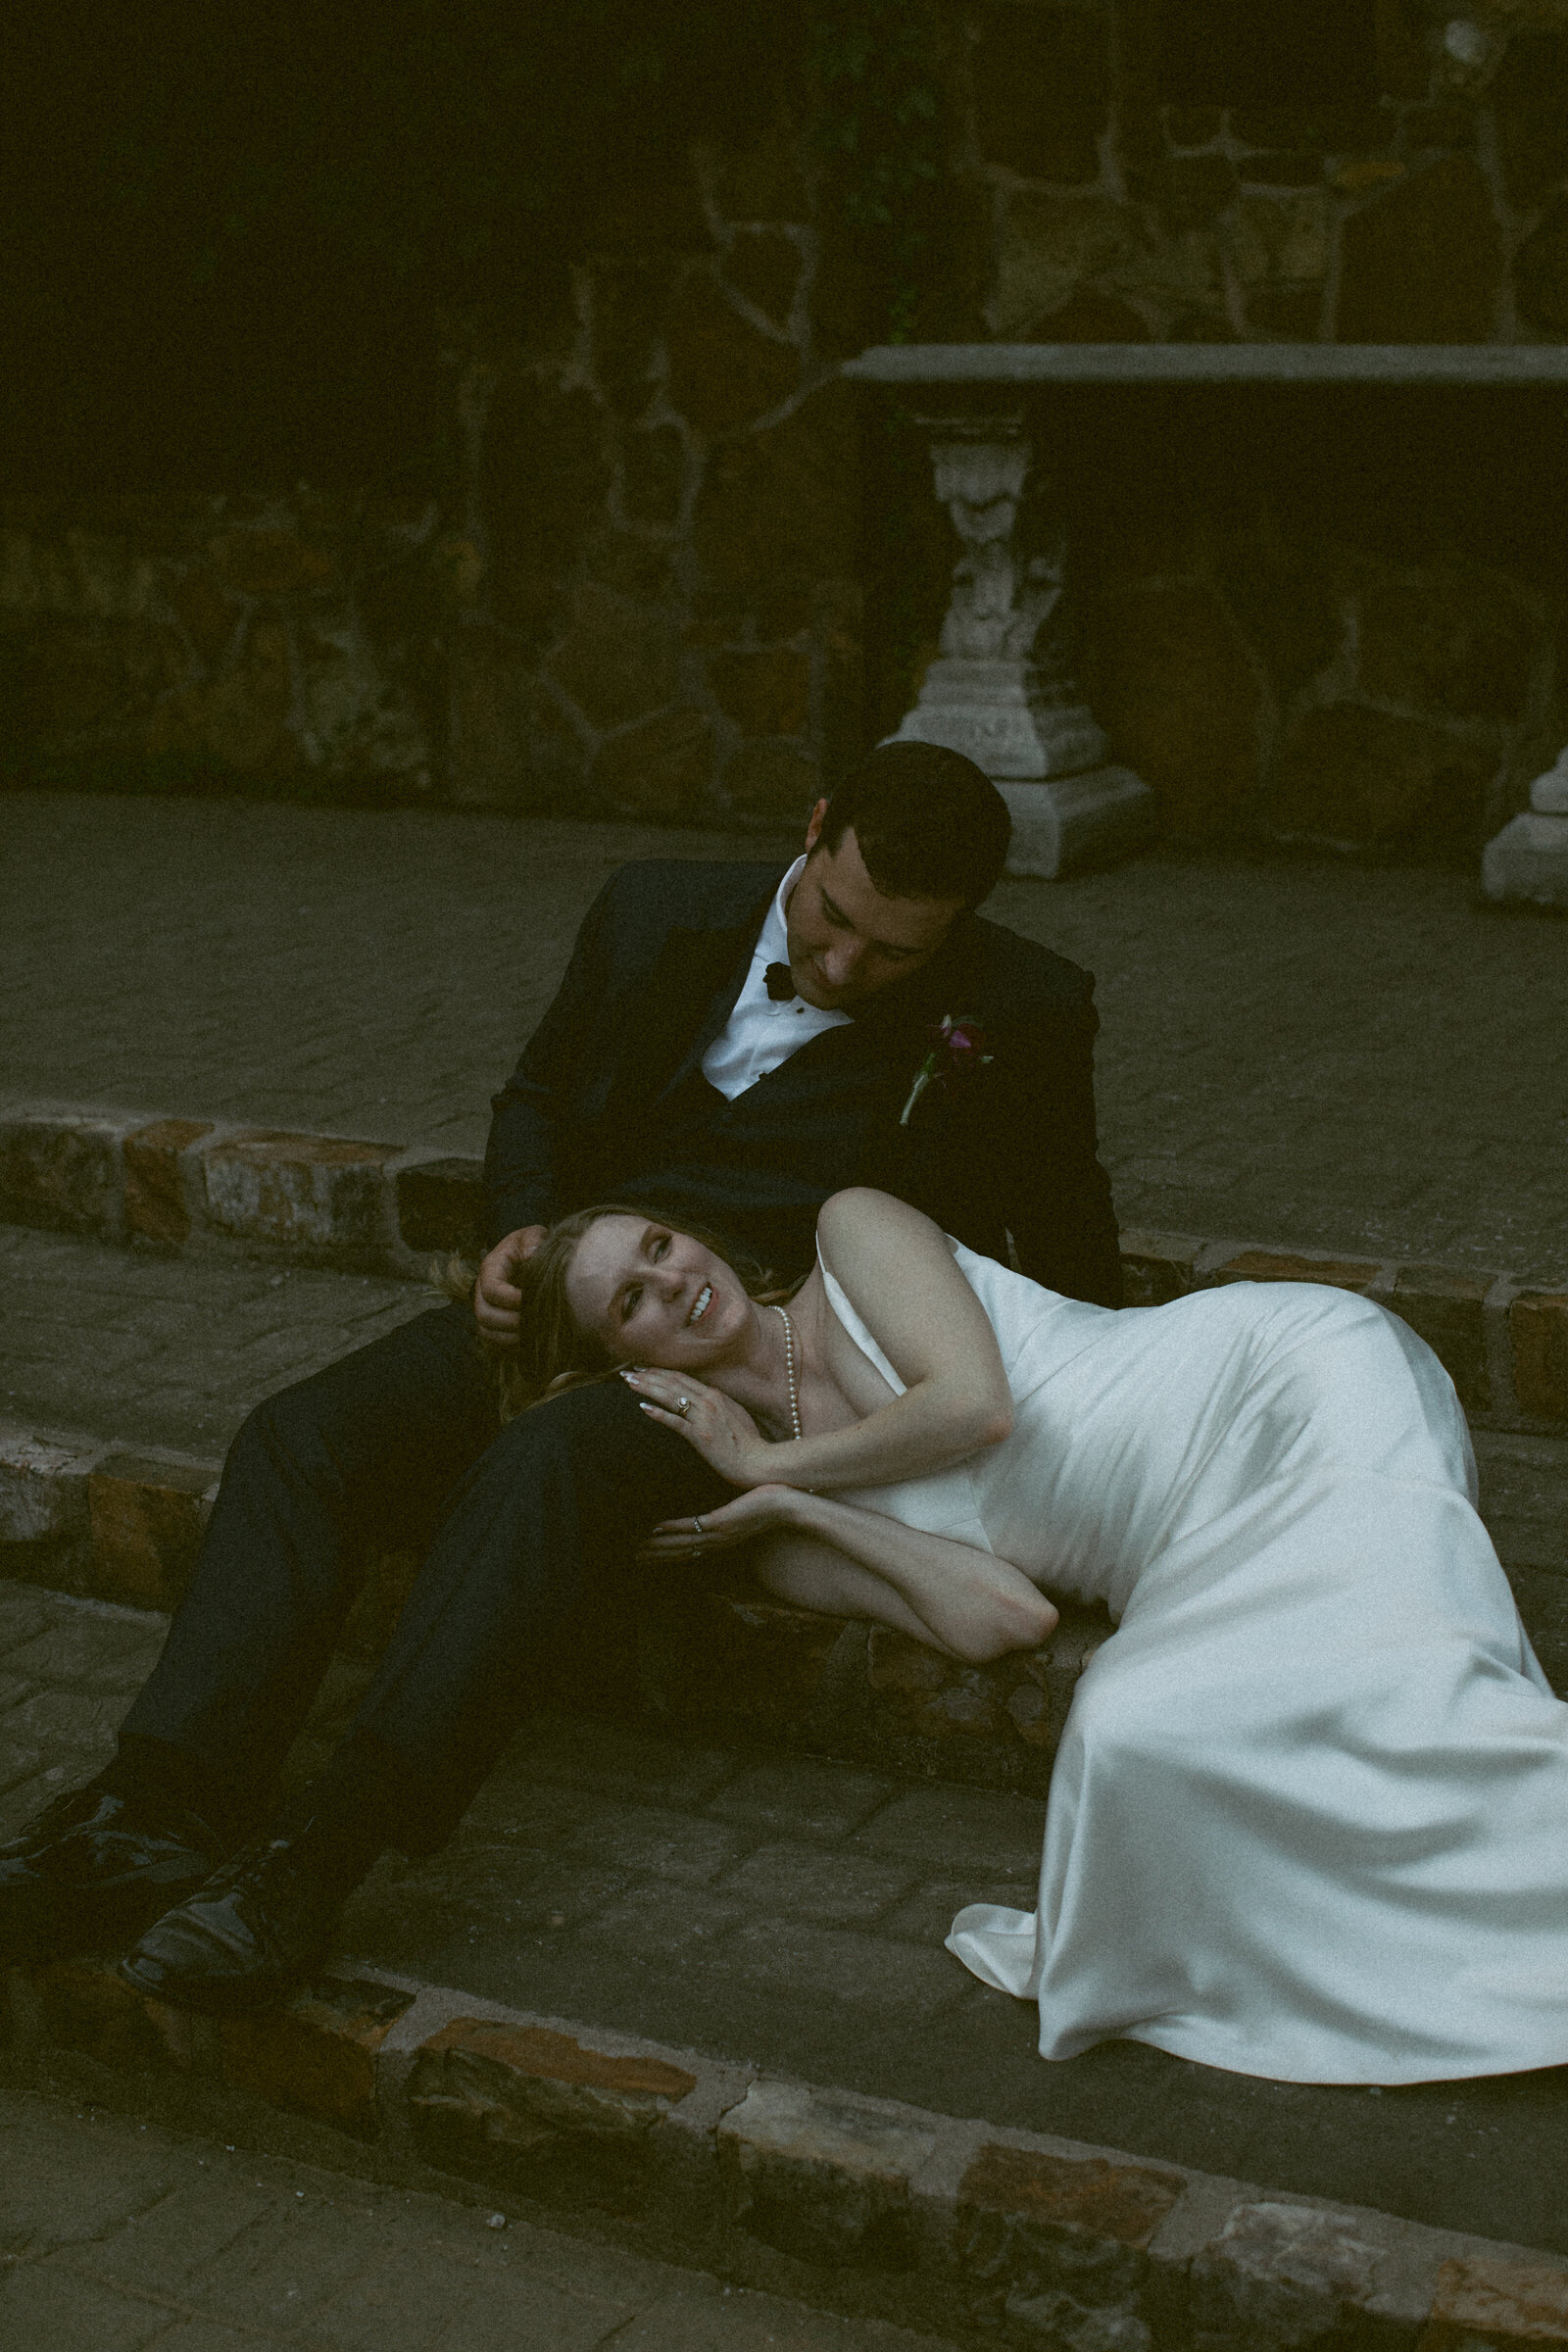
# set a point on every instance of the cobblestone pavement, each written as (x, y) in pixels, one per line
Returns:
(115, 2236)
(68, 1669)
(169, 1350)
(789, 1912)
(1311, 1053)
(367, 973)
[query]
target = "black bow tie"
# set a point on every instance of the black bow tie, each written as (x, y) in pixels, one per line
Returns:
(780, 982)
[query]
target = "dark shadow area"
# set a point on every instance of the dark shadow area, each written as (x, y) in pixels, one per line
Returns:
(1330, 621)
(1297, 53)
(241, 243)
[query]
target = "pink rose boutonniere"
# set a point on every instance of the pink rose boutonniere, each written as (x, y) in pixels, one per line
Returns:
(957, 1053)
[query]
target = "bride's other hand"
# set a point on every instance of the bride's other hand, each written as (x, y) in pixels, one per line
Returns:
(760, 1511)
(721, 1430)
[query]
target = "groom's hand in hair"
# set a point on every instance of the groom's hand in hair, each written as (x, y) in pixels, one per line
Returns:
(497, 1300)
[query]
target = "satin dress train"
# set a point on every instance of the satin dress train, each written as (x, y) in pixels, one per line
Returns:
(1309, 1817)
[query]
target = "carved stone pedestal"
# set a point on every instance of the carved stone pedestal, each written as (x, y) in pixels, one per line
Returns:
(1002, 689)
(1527, 860)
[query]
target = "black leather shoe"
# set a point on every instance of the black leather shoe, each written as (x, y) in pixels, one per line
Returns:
(241, 1940)
(94, 1868)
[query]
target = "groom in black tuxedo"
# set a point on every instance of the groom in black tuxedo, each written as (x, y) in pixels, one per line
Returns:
(728, 1047)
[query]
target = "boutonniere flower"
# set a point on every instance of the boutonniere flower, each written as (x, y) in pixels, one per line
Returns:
(957, 1051)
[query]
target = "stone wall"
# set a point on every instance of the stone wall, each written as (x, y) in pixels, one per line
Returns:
(157, 642)
(1431, 210)
(637, 592)
(661, 521)
(674, 570)
(1336, 618)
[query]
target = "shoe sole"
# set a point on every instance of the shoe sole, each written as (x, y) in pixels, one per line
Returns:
(224, 1999)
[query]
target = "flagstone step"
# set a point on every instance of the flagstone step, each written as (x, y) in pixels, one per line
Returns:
(121, 1524)
(312, 1201)
(868, 2206)
(699, 1992)
(122, 2233)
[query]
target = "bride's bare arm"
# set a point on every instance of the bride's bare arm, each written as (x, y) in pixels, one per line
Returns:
(899, 1272)
(850, 1562)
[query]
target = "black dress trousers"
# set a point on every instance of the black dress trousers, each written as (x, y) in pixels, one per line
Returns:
(521, 1528)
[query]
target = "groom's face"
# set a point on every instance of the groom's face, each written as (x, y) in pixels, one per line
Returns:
(652, 1295)
(848, 940)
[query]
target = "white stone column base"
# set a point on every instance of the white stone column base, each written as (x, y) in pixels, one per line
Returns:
(991, 712)
(1527, 861)
(1067, 821)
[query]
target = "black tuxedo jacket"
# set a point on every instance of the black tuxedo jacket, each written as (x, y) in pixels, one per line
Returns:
(606, 1103)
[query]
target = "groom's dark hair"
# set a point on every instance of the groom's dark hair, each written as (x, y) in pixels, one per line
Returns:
(928, 822)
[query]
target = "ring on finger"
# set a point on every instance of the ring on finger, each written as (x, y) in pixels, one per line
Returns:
(681, 1405)
(697, 1523)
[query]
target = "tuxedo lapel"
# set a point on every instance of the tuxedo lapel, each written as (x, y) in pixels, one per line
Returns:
(691, 990)
(898, 1024)
(703, 972)
(899, 1029)
(886, 1043)
(682, 1001)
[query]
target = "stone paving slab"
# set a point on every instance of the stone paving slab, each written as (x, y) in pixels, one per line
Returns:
(744, 1964)
(115, 2236)
(169, 1352)
(865, 2208)
(1368, 1059)
(370, 977)
(778, 1912)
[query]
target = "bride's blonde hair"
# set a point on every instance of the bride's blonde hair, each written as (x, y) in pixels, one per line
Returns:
(554, 1353)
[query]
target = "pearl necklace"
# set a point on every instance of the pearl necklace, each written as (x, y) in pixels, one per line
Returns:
(789, 1369)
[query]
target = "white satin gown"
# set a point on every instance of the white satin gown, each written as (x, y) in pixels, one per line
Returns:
(1309, 1817)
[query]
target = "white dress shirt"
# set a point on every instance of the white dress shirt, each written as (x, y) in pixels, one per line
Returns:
(760, 1034)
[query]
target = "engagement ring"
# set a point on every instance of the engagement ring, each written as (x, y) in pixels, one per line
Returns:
(683, 1406)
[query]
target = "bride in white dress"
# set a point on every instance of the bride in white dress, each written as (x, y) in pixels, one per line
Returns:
(1309, 1817)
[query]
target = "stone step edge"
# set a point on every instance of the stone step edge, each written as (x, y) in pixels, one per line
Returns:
(118, 1526)
(100, 1519)
(336, 1202)
(944, 2221)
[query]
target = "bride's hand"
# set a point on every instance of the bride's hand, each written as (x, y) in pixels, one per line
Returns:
(756, 1513)
(721, 1430)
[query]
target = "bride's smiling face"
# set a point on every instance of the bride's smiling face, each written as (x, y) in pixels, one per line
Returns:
(652, 1295)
